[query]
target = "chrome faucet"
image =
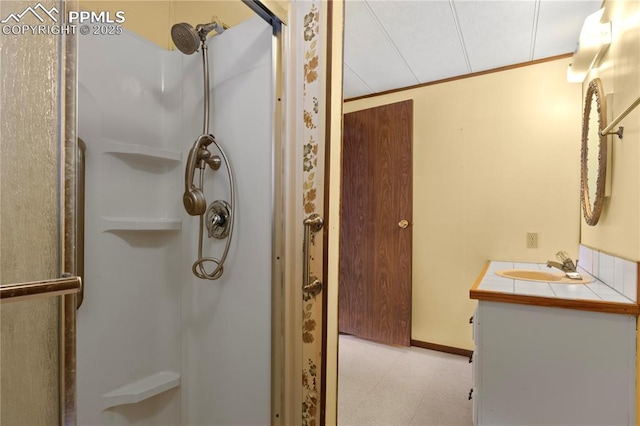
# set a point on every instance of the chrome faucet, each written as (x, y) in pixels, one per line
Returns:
(567, 264)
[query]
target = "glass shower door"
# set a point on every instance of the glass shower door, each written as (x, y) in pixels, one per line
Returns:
(36, 384)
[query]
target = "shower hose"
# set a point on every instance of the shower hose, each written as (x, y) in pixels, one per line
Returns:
(198, 267)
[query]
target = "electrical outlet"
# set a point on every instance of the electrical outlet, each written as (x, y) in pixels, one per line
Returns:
(532, 240)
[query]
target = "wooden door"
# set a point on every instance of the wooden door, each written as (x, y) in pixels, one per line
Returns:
(375, 243)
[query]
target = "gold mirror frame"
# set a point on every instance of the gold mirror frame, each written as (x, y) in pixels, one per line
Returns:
(591, 208)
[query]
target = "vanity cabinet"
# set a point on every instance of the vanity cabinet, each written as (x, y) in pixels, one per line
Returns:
(552, 366)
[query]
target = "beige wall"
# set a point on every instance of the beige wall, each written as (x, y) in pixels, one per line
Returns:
(494, 156)
(618, 231)
(333, 215)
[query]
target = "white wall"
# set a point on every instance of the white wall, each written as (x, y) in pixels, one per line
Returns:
(227, 323)
(144, 312)
(129, 323)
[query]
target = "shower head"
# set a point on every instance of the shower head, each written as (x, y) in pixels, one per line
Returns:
(185, 38)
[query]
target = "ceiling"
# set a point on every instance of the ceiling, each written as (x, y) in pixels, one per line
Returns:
(390, 44)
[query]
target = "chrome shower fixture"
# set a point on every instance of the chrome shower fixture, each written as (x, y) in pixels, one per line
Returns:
(219, 215)
(188, 39)
(204, 29)
(185, 38)
(217, 219)
(193, 198)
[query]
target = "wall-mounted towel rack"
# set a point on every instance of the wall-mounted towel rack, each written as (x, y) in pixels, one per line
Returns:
(619, 132)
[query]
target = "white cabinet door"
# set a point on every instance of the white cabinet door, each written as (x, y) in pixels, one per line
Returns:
(538, 365)
(475, 371)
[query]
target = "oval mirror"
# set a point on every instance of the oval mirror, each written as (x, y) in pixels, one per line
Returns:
(593, 165)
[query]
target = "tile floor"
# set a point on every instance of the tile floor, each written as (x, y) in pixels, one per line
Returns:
(395, 386)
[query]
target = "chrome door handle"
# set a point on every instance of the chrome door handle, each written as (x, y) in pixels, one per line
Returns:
(311, 285)
(80, 193)
(403, 223)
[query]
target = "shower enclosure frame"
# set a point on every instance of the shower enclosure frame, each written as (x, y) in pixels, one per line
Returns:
(279, 407)
(286, 319)
(288, 354)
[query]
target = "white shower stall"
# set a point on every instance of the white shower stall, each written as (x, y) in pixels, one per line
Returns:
(155, 344)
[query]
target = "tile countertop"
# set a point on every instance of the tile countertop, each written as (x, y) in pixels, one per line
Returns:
(595, 296)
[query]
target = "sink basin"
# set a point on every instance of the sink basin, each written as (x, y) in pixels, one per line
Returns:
(529, 275)
(541, 276)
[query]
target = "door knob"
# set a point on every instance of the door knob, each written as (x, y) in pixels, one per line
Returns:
(403, 223)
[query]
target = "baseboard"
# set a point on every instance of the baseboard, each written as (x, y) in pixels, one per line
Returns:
(442, 348)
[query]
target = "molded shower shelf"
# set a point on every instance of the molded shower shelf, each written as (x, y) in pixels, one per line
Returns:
(142, 389)
(110, 224)
(142, 152)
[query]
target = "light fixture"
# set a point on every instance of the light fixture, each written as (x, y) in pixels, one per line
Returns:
(595, 38)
